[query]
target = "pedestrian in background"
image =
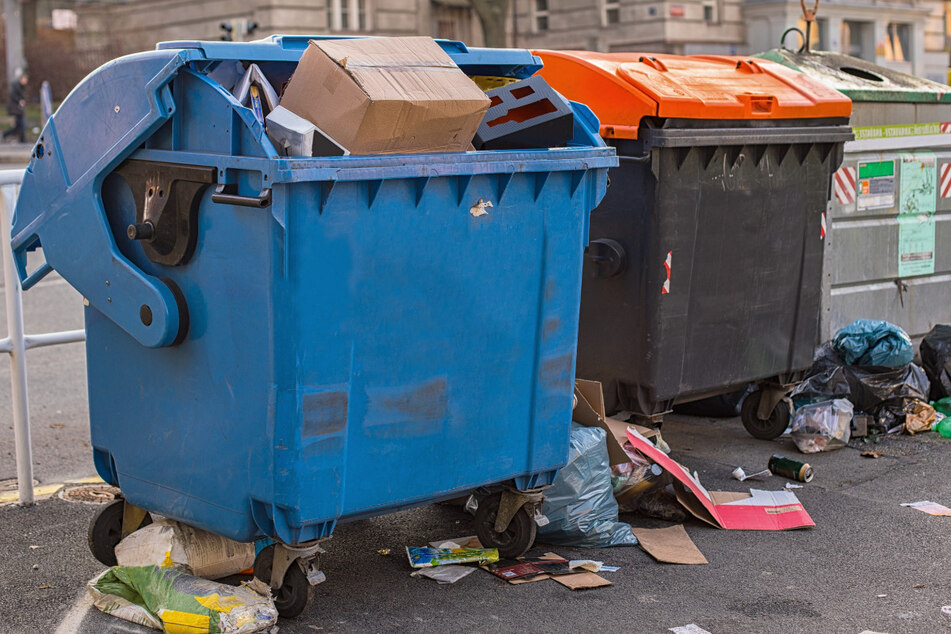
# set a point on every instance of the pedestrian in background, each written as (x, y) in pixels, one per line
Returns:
(17, 106)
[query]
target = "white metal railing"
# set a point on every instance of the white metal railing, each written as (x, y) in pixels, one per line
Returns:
(17, 343)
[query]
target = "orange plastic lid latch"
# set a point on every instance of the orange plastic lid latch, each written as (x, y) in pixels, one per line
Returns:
(749, 66)
(654, 63)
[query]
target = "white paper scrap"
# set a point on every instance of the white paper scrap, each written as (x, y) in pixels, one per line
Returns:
(691, 628)
(931, 508)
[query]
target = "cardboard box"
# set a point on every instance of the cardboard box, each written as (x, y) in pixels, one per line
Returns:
(386, 95)
(589, 411)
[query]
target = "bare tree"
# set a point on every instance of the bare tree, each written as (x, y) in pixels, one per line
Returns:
(492, 15)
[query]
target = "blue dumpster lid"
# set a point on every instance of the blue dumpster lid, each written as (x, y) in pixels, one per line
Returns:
(517, 63)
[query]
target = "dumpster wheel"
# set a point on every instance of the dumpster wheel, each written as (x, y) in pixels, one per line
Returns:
(105, 531)
(515, 540)
(768, 428)
(292, 597)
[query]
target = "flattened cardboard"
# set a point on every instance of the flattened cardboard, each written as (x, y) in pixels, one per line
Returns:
(756, 511)
(670, 545)
(386, 95)
(590, 412)
(582, 581)
(541, 577)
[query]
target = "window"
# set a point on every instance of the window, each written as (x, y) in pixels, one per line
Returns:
(347, 15)
(711, 11)
(610, 12)
(540, 21)
(897, 42)
(857, 39)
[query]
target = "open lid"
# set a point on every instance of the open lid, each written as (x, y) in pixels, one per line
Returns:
(861, 80)
(622, 88)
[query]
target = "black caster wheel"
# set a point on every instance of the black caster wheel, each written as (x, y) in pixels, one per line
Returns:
(105, 532)
(294, 594)
(515, 540)
(764, 429)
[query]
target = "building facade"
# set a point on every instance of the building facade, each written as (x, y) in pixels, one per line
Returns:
(908, 35)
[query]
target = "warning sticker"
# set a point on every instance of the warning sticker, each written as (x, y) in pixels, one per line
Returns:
(876, 186)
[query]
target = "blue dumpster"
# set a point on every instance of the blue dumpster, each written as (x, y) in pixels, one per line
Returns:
(319, 339)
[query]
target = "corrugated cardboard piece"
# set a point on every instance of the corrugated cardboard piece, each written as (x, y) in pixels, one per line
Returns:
(756, 511)
(386, 95)
(589, 412)
(671, 545)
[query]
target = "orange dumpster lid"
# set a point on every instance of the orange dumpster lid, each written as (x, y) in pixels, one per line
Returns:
(621, 88)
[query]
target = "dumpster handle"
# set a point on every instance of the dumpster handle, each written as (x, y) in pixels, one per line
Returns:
(782, 39)
(224, 194)
(643, 158)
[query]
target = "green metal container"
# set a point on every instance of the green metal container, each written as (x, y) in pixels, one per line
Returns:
(890, 206)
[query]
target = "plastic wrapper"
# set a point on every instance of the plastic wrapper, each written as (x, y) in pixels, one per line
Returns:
(632, 480)
(822, 426)
(829, 384)
(920, 418)
(173, 601)
(428, 557)
(873, 342)
(580, 505)
(936, 360)
(167, 544)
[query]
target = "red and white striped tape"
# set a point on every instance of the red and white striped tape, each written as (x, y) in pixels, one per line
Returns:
(945, 188)
(666, 288)
(946, 128)
(822, 226)
(845, 185)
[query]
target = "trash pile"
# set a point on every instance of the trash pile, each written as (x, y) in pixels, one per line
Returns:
(165, 580)
(397, 95)
(864, 382)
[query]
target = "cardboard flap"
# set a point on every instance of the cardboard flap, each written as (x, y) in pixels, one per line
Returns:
(394, 53)
(756, 511)
(590, 412)
(671, 545)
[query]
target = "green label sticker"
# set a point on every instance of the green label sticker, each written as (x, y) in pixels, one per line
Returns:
(876, 186)
(917, 203)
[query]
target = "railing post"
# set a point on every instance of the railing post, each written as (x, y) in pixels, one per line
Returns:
(18, 392)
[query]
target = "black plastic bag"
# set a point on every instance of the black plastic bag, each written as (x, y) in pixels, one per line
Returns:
(826, 385)
(936, 360)
(886, 393)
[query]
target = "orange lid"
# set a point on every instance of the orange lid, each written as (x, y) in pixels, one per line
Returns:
(621, 88)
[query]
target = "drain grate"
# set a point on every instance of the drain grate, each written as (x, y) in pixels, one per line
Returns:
(10, 484)
(89, 493)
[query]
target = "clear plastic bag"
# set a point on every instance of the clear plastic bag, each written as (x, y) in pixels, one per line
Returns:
(580, 505)
(822, 426)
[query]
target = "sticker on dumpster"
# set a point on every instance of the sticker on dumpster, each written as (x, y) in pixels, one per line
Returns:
(876, 185)
(479, 209)
(916, 225)
(945, 185)
(845, 185)
(666, 288)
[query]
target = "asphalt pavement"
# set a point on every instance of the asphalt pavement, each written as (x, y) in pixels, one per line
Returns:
(868, 565)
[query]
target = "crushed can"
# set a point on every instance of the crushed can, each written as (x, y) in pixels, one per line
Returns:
(789, 468)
